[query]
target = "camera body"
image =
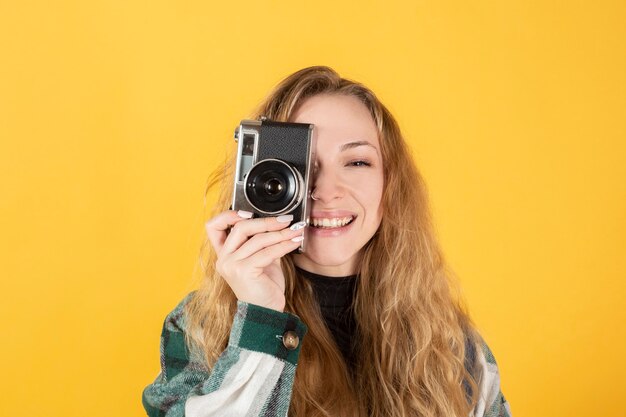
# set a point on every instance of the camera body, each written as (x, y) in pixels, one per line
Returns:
(274, 169)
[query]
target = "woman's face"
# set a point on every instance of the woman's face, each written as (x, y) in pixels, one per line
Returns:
(347, 183)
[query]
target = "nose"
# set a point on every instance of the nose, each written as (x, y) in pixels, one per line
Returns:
(326, 185)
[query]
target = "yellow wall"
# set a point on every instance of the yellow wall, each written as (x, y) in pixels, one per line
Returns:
(113, 113)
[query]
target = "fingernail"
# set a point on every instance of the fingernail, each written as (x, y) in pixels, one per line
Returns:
(285, 218)
(298, 239)
(244, 214)
(297, 226)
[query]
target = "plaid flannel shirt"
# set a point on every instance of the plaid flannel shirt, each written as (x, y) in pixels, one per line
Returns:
(254, 375)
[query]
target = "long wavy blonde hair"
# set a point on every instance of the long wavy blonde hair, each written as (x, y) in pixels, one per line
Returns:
(414, 336)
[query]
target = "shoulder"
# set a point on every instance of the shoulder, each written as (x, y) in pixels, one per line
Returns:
(491, 401)
(175, 320)
(174, 349)
(479, 358)
(486, 363)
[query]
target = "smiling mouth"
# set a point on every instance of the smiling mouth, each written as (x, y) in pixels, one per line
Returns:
(331, 223)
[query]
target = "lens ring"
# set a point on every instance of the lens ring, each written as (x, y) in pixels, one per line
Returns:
(273, 187)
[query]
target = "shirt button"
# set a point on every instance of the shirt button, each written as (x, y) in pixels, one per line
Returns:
(290, 340)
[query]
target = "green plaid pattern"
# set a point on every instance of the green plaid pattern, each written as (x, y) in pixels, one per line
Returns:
(491, 400)
(256, 333)
(254, 375)
(255, 328)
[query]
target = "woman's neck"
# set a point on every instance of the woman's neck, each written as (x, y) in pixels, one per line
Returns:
(343, 270)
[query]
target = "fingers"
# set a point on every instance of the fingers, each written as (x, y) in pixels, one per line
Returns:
(248, 254)
(242, 231)
(217, 227)
(264, 240)
(268, 255)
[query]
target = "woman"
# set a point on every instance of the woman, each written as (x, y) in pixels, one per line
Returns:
(384, 335)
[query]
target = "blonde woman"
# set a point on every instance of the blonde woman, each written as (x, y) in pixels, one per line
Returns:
(364, 323)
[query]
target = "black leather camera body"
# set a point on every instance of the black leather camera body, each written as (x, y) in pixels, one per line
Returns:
(274, 169)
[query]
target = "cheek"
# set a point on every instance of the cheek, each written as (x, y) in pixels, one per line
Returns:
(369, 192)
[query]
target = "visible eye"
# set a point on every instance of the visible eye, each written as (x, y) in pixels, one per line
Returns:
(359, 163)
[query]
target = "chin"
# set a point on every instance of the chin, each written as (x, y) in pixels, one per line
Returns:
(329, 255)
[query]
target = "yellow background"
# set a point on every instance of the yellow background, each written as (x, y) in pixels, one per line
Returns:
(113, 113)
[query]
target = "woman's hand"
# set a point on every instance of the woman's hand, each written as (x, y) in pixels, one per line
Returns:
(248, 257)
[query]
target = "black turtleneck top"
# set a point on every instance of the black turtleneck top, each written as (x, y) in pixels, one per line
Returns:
(335, 296)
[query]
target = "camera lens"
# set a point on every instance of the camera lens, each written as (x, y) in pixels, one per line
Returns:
(273, 186)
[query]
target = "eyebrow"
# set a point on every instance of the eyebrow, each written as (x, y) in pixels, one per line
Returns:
(356, 144)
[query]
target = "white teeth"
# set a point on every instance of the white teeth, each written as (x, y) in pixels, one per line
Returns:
(331, 222)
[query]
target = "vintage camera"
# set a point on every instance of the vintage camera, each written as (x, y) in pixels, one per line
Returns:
(274, 166)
